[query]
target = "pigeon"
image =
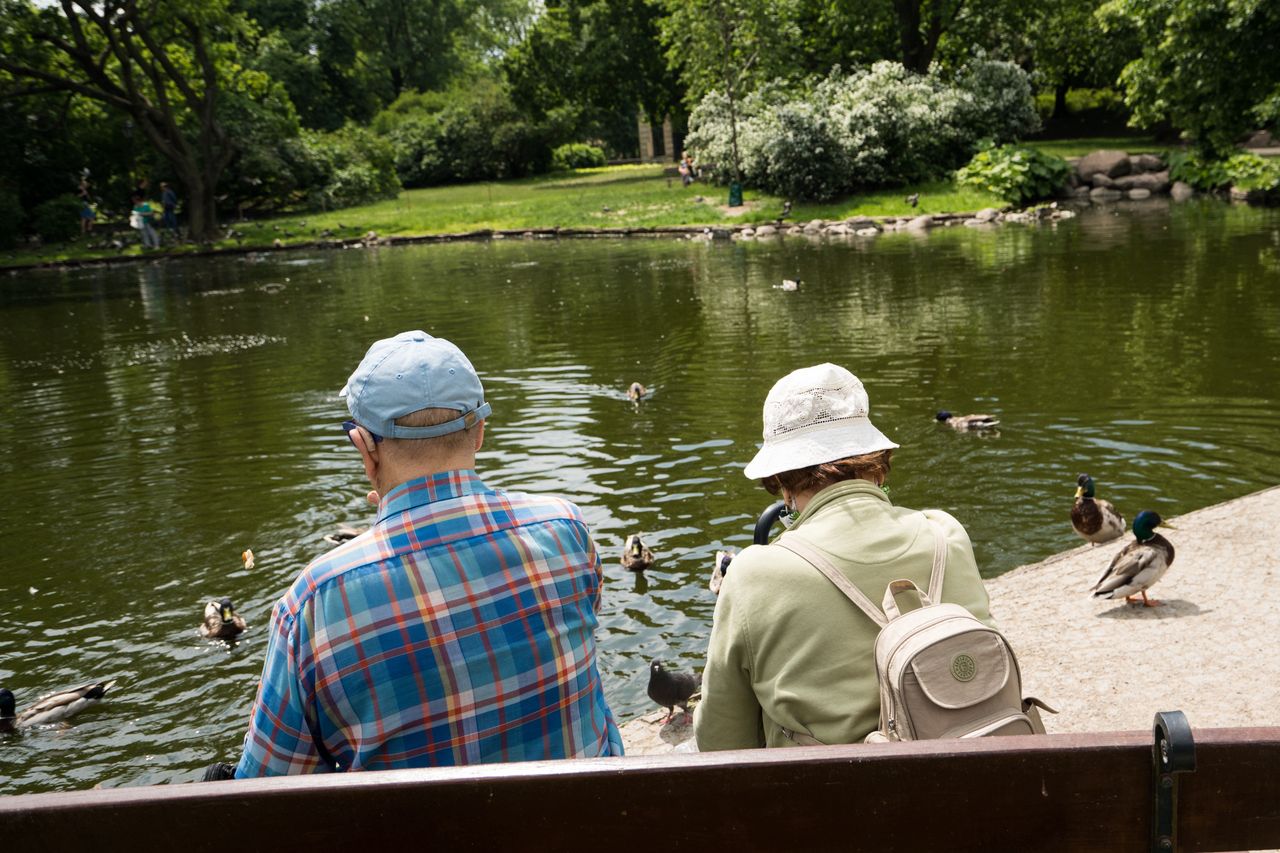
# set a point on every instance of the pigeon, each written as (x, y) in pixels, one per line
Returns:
(964, 423)
(720, 569)
(221, 621)
(636, 392)
(52, 708)
(636, 555)
(1093, 518)
(1140, 564)
(913, 199)
(671, 688)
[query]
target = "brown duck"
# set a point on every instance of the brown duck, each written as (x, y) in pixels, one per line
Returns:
(1093, 518)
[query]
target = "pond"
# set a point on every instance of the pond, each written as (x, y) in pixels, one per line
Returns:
(163, 417)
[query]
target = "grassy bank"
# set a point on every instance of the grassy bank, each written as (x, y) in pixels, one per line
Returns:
(610, 197)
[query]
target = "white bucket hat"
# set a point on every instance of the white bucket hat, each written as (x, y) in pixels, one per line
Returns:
(814, 415)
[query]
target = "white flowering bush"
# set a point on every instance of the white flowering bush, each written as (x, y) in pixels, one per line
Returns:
(880, 126)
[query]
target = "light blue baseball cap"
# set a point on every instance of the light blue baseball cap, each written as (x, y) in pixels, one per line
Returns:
(409, 372)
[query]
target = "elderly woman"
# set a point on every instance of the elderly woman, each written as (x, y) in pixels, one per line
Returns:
(791, 659)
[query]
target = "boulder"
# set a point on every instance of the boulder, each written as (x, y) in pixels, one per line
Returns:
(813, 226)
(766, 231)
(921, 222)
(867, 232)
(1080, 192)
(747, 233)
(795, 229)
(858, 222)
(1156, 182)
(1139, 163)
(1113, 164)
(1181, 191)
(1138, 193)
(837, 230)
(1104, 194)
(975, 222)
(986, 214)
(1261, 139)
(720, 234)
(1101, 180)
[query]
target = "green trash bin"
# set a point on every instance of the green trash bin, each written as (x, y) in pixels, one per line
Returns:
(735, 194)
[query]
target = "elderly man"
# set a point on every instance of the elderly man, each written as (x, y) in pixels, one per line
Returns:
(460, 628)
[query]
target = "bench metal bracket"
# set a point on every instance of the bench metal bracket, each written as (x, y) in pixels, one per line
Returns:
(1173, 752)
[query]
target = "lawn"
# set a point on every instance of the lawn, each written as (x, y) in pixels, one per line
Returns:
(1082, 146)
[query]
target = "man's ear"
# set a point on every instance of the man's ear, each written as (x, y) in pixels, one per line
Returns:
(363, 440)
(479, 436)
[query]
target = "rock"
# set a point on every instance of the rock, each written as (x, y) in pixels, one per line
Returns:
(987, 214)
(1261, 139)
(838, 230)
(813, 226)
(1113, 164)
(1138, 193)
(921, 222)
(795, 229)
(975, 222)
(1064, 214)
(859, 222)
(721, 234)
(1139, 163)
(766, 231)
(747, 233)
(1156, 182)
(1080, 192)
(1181, 191)
(1073, 179)
(1249, 196)
(1104, 194)
(1101, 180)
(1016, 216)
(867, 232)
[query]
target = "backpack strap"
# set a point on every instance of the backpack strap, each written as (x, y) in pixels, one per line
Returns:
(939, 560)
(813, 557)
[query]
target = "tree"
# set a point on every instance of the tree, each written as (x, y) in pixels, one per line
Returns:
(921, 23)
(1209, 67)
(165, 63)
(730, 46)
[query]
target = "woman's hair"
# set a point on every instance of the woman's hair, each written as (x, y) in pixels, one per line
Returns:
(869, 466)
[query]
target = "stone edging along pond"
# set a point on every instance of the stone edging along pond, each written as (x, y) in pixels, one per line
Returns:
(1098, 177)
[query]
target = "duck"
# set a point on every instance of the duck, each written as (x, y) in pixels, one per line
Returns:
(221, 621)
(53, 708)
(1093, 518)
(1140, 564)
(636, 555)
(636, 392)
(344, 533)
(720, 568)
(913, 199)
(964, 423)
(790, 285)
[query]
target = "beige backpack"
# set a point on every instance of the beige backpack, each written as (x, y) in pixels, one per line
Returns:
(942, 672)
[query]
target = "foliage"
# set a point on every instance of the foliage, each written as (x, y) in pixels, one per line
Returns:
(1016, 173)
(1244, 170)
(883, 126)
(11, 217)
(57, 219)
(576, 155)
(1206, 66)
(469, 133)
(347, 167)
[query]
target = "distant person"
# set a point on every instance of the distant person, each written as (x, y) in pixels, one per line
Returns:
(459, 629)
(88, 210)
(791, 659)
(140, 220)
(169, 201)
(687, 172)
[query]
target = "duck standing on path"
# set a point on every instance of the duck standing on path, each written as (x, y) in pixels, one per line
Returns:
(670, 689)
(1142, 562)
(1093, 518)
(636, 555)
(964, 423)
(52, 708)
(221, 621)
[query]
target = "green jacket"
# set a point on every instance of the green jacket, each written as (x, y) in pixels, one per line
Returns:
(789, 650)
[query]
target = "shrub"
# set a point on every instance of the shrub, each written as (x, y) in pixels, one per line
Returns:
(577, 155)
(881, 126)
(11, 217)
(57, 220)
(346, 167)
(1015, 173)
(1245, 170)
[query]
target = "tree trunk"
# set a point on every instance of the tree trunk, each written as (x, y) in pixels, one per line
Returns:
(1060, 101)
(914, 56)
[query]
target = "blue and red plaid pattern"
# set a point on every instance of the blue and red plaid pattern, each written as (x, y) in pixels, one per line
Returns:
(459, 630)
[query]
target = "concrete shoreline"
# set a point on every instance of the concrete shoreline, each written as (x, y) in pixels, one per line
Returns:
(1212, 650)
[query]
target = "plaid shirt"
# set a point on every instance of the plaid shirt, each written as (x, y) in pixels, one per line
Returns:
(459, 630)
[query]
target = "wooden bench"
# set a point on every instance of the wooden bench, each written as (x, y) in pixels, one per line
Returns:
(1055, 792)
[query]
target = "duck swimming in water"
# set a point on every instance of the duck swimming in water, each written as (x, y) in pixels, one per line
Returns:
(221, 621)
(964, 423)
(52, 708)
(1093, 518)
(1142, 562)
(636, 555)
(636, 392)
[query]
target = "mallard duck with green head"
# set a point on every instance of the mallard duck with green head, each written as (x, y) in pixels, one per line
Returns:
(1140, 564)
(53, 708)
(221, 622)
(1093, 518)
(636, 555)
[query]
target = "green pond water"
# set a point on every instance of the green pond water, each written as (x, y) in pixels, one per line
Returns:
(161, 418)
